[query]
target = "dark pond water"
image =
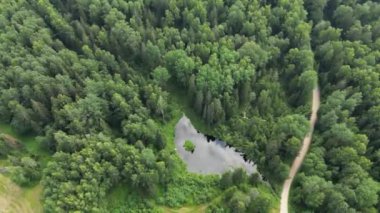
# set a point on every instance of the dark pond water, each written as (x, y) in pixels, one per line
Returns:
(211, 156)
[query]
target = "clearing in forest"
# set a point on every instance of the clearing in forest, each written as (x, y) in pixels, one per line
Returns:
(14, 199)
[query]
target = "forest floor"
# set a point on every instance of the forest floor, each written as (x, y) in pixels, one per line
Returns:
(302, 153)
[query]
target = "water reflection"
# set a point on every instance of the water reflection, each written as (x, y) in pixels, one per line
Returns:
(208, 157)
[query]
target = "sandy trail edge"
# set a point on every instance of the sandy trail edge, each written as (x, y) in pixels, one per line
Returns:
(301, 154)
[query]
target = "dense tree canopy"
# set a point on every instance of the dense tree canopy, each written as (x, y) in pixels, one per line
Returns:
(100, 82)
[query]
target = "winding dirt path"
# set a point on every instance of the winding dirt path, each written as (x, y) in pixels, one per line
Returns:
(301, 154)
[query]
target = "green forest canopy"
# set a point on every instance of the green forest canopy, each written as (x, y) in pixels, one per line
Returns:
(98, 81)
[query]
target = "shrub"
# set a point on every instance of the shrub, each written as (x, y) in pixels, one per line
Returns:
(189, 146)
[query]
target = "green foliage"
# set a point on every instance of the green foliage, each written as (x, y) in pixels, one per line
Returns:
(102, 162)
(189, 146)
(245, 198)
(101, 81)
(189, 189)
(26, 171)
(179, 64)
(161, 75)
(5, 148)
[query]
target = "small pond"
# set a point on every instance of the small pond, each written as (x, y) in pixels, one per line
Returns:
(209, 156)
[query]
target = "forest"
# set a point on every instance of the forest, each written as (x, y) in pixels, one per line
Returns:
(91, 90)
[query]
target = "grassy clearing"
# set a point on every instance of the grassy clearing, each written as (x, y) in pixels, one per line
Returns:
(33, 196)
(185, 209)
(167, 131)
(27, 140)
(22, 199)
(32, 146)
(120, 198)
(14, 199)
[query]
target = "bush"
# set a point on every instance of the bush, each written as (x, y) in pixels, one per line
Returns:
(190, 189)
(4, 148)
(26, 171)
(189, 146)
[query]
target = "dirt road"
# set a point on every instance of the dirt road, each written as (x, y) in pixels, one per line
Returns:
(301, 154)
